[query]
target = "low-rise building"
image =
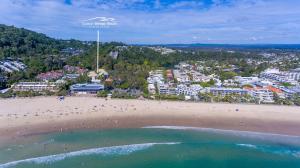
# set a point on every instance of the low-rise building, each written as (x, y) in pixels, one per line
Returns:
(227, 91)
(181, 76)
(192, 90)
(86, 88)
(262, 95)
(36, 86)
(246, 80)
(163, 88)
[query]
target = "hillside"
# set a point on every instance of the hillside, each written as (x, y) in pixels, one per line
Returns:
(20, 42)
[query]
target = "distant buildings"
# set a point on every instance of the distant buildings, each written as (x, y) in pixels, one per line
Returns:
(87, 88)
(282, 77)
(71, 51)
(163, 50)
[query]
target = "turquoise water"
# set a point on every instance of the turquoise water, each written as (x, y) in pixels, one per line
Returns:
(161, 147)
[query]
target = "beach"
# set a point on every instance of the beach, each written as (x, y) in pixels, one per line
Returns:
(30, 116)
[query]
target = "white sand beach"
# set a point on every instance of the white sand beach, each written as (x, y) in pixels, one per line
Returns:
(25, 116)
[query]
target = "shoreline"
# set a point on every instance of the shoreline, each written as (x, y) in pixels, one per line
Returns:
(29, 116)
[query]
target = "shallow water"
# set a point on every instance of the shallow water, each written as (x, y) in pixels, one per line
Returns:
(165, 147)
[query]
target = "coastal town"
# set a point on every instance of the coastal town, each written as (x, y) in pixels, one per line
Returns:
(150, 84)
(186, 81)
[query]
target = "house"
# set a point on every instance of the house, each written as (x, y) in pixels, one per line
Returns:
(86, 88)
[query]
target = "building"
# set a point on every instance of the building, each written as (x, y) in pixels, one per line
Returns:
(282, 77)
(181, 76)
(71, 76)
(262, 95)
(246, 80)
(74, 69)
(86, 88)
(35, 86)
(192, 90)
(114, 54)
(151, 88)
(163, 88)
(227, 91)
(11, 66)
(51, 75)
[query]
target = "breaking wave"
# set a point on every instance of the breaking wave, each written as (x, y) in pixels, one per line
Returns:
(104, 151)
(273, 149)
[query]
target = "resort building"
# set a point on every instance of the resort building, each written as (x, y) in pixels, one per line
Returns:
(246, 80)
(227, 91)
(192, 90)
(86, 88)
(181, 76)
(163, 88)
(262, 95)
(35, 86)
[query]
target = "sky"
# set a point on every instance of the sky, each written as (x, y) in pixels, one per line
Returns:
(161, 21)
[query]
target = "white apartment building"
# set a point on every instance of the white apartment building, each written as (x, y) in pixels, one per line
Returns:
(262, 95)
(192, 90)
(181, 76)
(245, 80)
(35, 86)
(163, 88)
(226, 91)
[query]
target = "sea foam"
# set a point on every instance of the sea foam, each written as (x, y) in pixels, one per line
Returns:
(278, 138)
(104, 151)
(273, 149)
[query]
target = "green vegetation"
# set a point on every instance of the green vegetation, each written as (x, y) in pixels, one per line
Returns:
(170, 97)
(227, 75)
(286, 84)
(103, 93)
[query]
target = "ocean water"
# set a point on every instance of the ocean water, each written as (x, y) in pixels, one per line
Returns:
(152, 147)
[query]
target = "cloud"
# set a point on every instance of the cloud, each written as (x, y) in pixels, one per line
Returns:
(155, 21)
